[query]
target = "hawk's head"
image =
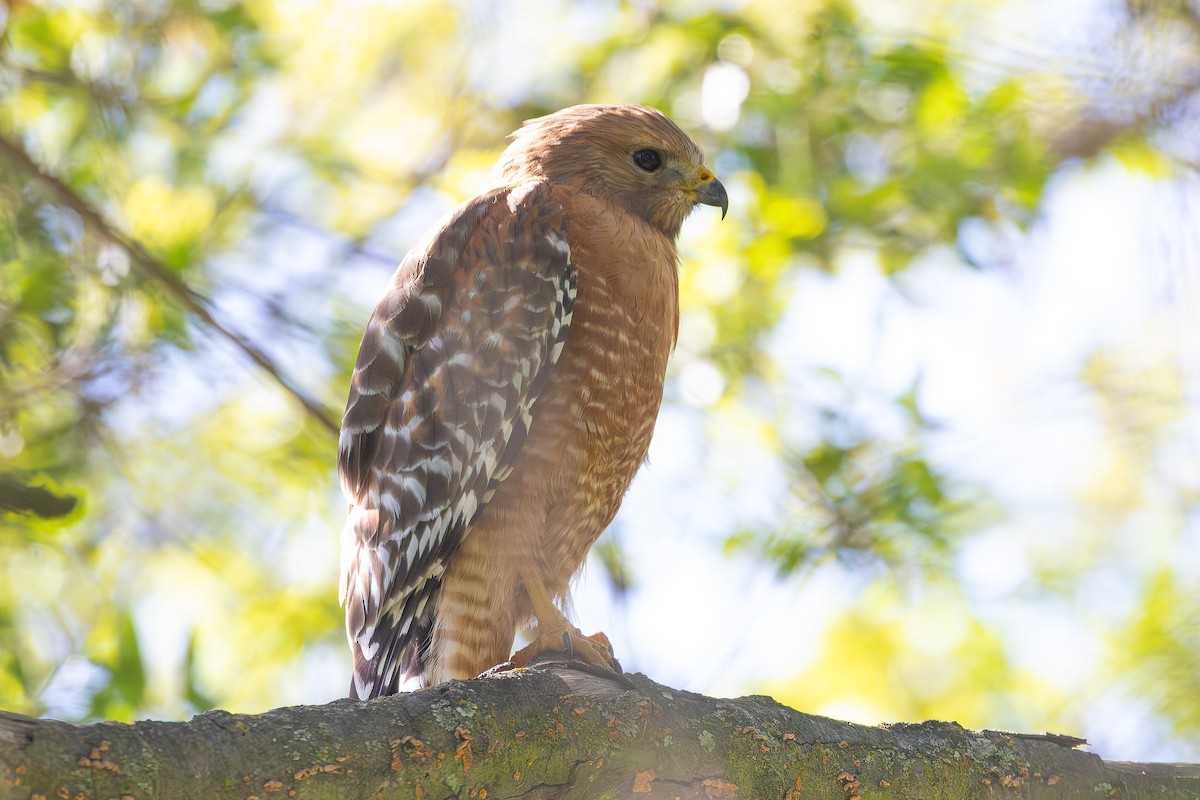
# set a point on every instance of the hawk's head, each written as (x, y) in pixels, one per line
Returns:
(632, 156)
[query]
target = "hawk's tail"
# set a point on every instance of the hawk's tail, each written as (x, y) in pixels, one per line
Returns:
(395, 649)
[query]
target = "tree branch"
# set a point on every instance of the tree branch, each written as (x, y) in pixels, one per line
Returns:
(21, 498)
(554, 732)
(155, 270)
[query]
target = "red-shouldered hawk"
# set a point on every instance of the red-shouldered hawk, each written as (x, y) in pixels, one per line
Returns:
(505, 393)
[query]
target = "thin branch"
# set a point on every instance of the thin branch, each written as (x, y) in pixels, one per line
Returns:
(22, 498)
(155, 270)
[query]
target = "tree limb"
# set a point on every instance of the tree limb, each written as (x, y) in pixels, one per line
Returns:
(22, 498)
(554, 732)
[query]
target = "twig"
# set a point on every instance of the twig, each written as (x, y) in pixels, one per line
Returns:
(155, 270)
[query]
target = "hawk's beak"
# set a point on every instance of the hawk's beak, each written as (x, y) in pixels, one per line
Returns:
(710, 192)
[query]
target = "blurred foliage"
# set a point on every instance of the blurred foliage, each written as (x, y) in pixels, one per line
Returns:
(1165, 630)
(185, 184)
(858, 496)
(954, 656)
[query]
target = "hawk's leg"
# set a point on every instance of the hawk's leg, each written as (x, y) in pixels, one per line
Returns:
(555, 633)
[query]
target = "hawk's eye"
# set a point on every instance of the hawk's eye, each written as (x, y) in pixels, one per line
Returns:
(647, 159)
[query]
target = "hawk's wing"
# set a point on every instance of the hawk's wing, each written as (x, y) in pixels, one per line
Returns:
(448, 369)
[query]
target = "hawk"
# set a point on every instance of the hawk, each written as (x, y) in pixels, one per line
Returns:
(504, 395)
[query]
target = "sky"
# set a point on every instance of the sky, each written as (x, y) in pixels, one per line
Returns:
(996, 352)
(1111, 263)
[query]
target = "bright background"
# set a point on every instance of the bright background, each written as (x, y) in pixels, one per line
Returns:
(931, 443)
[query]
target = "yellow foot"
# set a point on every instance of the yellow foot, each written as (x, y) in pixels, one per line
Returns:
(595, 649)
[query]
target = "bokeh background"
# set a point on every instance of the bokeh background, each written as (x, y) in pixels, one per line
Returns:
(931, 442)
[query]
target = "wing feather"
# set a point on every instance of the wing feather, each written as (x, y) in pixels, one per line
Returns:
(449, 366)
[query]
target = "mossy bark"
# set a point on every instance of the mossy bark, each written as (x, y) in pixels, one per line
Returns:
(553, 732)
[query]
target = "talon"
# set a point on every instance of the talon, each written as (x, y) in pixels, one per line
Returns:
(553, 628)
(601, 638)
